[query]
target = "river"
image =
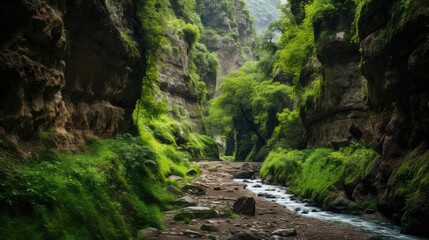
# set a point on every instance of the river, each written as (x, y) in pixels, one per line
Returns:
(279, 194)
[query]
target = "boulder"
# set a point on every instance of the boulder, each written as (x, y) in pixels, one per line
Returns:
(245, 175)
(195, 213)
(148, 233)
(245, 205)
(209, 228)
(194, 189)
(288, 232)
(185, 201)
(191, 172)
(172, 189)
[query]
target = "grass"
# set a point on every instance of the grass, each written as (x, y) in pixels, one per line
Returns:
(110, 191)
(311, 172)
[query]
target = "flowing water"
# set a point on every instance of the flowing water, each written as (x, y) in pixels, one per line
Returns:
(377, 229)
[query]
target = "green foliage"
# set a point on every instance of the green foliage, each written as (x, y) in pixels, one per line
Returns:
(191, 34)
(290, 131)
(311, 172)
(284, 165)
(110, 191)
(130, 42)
(310, 93)
(410, 183)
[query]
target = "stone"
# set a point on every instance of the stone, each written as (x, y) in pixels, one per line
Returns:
(172, 189)
(276, 237)
(185, 201)
(209, 228)
(245, 206)
(243, 236)
(245, 175)
(195, 212)
(191, 172)
(217, 188)
(192, 234)
(194, 189)
(257, 186)
(285, 232)
(266, 195)
(175, 178)
(148, 233)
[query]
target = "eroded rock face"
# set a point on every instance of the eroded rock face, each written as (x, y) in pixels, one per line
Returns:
(394, 56)
(66, 75)
(337, 115)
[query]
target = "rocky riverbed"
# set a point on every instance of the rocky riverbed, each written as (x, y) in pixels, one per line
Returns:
(208, 213)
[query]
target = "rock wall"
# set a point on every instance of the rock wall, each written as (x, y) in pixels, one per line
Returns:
(337, 114)
(176, 85)
(67, 73)
(395, 57)
(233, 37)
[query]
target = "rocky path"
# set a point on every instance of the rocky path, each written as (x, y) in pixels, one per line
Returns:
(214, 193)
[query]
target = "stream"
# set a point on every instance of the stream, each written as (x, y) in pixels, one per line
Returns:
(377, 229)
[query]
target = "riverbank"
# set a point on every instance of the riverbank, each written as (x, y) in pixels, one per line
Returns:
(221, 191)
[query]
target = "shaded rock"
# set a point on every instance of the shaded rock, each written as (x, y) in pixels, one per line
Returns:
(194, 213)
(172, 189)
(276, 237)
(191, 172)
(340, 203)
(209, 228)
(245, 205)
(194, 189)
(217, 188)
(148, 233)
(285, 232)
(192, 234)
(243, 236)
(245, 175)
(185, 201)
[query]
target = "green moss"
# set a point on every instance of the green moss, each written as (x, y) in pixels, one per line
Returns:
(311, 172)
(410, 184)
(110, 191)
(130, 42)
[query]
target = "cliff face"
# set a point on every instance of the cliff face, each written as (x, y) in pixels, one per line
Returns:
(394, 41)
(176, 85)
(228, 32)
(67, 72)
(337, 114)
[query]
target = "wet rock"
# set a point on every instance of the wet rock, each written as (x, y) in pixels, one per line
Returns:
(245, 175)
(191, 172)
(195, 213)
(315, 210)
(185, 201)
(194, 189)
(209, 228)
(246, 181)
(257, 186)
(266, 195)
(245, 205)
(172, 189)
(148, 233)
(304, 212)
(285, 232)
(243, 236)
(340, 203)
